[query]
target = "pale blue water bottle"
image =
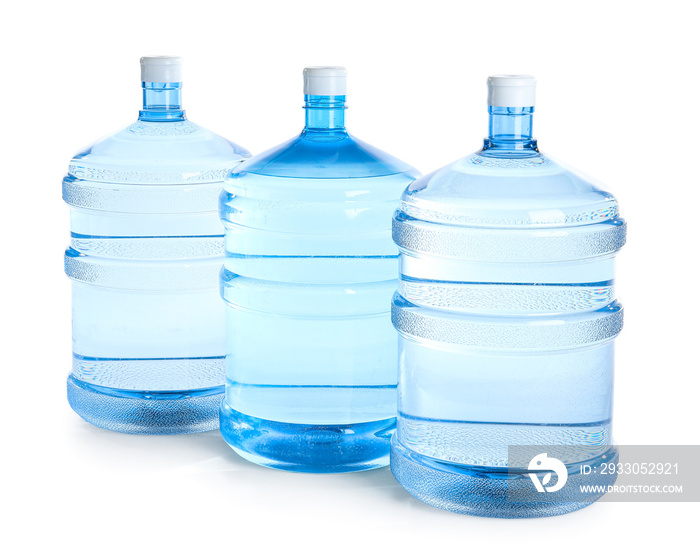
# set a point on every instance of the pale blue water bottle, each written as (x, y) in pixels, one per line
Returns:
(145, 251)
(310, 269)
(507, 315)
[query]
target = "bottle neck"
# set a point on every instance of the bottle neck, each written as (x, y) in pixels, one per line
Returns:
(510, 132)
(162, 102)
(324, 113)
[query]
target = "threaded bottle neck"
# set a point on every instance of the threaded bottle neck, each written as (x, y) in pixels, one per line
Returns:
(162, 102)
(510, 131)
(325, 113)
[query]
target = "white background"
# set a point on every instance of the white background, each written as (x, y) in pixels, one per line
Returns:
(617, 94)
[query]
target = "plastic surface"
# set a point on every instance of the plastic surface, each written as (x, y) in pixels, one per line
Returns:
(145, 251)
(325, 80)
(507, 314)
(310, 269)
(161, 69)
(511, 91)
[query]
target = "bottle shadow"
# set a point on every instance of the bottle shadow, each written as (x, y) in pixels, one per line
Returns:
(375, 480)
(207, 455)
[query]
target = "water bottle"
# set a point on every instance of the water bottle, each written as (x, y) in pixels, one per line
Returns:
(310, 269)
(145, 252)
(506, 314)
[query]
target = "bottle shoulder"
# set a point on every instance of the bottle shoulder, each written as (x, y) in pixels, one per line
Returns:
(484, 191)
(337, 155)
(158, 152)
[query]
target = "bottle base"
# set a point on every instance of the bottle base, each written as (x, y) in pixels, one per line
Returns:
(307, 447)
(480, 492)
(146, 412)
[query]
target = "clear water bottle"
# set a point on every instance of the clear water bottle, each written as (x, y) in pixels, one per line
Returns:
(506, 313)
(310, 269)
(145, 252)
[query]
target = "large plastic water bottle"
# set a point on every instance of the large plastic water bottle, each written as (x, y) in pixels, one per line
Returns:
(145, 252)
(507, 314)
(310, 269)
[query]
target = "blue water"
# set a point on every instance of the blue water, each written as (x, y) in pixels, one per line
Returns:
(310, 269)
(507, 314)
(145, 251)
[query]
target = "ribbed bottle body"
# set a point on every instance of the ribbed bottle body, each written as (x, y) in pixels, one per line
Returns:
(507, 313)
(145, 252)
(310, 270)
(307, 284)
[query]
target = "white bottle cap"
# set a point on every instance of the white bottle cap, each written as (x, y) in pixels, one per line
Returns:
(511, 91)
(162, 69)
(325, 80)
